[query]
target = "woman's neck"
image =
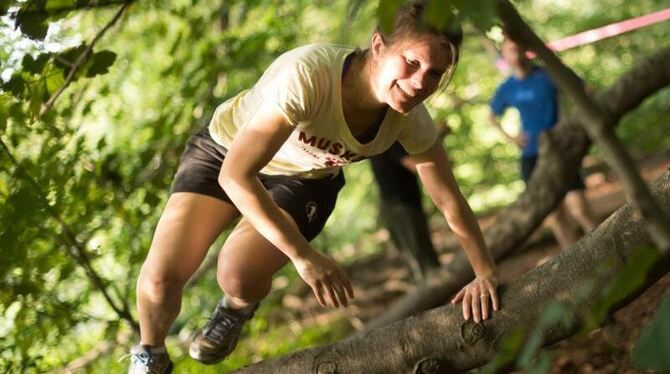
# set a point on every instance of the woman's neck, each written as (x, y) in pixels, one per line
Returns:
(361, 107)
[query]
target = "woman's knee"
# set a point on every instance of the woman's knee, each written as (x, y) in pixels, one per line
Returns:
(243, 284)
(158, 286)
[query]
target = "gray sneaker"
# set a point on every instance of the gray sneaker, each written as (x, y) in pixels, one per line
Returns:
(144, 360)
(219, 337)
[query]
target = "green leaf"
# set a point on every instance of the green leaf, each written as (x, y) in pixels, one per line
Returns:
(37, 91)
(508, 352)
(35, 66)
(386, 13)
(438, 14)
(100, 63)
(54, 82)
(68, 57)
(483, 14)
(652, 350)
(629, 279)
(16, 85)
(4, 7)
(4, 111)
(33, 25)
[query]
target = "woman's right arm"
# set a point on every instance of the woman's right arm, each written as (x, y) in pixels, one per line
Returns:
(253, 147)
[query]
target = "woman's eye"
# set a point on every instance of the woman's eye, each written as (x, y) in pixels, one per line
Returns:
(411, 62)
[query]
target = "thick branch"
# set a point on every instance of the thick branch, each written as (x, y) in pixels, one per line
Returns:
(440, 341)
(81, 60)
(561, 152)
(598, 122)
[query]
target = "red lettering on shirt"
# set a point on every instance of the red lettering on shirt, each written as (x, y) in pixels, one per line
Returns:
(335, 149)
(323, 143)
(311, 141)
(348, 155)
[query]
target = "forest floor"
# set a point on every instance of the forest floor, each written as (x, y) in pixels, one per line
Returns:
(380, 279)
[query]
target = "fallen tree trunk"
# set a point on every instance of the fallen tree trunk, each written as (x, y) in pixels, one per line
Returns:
(440, 341)
(561, 152)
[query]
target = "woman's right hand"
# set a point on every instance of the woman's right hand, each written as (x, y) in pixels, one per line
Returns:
(325, 277)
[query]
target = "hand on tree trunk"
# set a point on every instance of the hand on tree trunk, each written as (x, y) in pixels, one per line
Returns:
(478, 297)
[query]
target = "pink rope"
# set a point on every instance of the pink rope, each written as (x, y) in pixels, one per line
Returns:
(599, 33)
(607, 31)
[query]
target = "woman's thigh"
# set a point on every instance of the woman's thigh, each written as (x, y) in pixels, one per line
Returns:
(189, 225)
(248, 258)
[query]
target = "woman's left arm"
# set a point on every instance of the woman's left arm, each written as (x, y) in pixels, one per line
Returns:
(434, 169)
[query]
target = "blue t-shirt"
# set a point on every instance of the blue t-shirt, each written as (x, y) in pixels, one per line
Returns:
(535, 97)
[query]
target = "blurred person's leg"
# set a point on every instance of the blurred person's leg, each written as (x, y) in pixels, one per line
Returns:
(561, 225)
(580, 209)
(408, 228)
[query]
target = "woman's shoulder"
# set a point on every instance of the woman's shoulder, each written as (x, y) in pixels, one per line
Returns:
(316, 55)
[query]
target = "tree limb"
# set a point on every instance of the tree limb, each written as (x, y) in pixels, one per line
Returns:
(440, 341)
(81, 60)
(598, 122)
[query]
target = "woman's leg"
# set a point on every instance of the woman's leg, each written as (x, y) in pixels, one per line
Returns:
(188, 226)
(246, 265)
(247, 262)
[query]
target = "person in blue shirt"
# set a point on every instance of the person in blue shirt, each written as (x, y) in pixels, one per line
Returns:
(530, 90)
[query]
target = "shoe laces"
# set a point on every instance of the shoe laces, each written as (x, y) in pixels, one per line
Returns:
(222, 325)
(145, 360)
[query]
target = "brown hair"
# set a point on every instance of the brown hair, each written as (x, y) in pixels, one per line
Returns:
(410, 22)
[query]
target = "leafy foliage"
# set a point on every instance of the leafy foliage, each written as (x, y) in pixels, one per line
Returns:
(82, 183)
(651, 350)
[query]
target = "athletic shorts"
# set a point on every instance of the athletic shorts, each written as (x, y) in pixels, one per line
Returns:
(528, 165)
(309, 201)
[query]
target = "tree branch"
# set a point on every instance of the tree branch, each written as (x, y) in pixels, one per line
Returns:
(81, 60)
(599, 124)
(440, 341)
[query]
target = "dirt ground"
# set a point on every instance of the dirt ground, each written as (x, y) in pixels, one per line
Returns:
(382, 278)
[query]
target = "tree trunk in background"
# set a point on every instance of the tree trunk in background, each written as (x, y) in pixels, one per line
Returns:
(597, 122)
(440, 340)
(561, 152)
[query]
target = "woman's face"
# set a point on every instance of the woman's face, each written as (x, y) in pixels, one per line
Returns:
(408, 71)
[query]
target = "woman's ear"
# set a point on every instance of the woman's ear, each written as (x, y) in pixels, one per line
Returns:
(377, 45)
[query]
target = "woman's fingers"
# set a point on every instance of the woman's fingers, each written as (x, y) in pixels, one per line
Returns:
(459, 296)
(467, 301)
(319, 293)
(478, 298)
(331, 292)
(339, 289)
(347, 285)
(476, 308)
(494, 298)
(485, 298)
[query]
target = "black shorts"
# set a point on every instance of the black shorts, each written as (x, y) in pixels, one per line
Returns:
(309, 201)
(528, 165)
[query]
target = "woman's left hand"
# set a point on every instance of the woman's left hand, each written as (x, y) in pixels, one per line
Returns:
(478, 296)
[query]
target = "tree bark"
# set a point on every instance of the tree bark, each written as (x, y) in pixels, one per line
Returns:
(440, 341)
(561, 152)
